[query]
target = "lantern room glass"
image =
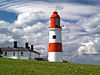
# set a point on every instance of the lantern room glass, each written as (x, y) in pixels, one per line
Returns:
(57, 21)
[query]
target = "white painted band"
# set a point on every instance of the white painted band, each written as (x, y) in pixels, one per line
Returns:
(55, 56)
(58, 35)
(55, 29)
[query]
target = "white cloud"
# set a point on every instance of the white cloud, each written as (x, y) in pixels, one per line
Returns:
(88, 48)
(10, 39)
(3, 31)
(92, 24)
(3, 38)
(92, 40)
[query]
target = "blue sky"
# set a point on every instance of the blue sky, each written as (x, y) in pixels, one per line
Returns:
(28, 21)
(8, 16)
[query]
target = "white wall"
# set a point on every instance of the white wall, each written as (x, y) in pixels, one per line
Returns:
(26, 55)
(34, 55)
(10, 54)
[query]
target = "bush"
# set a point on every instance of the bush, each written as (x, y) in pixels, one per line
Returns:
(0, 52)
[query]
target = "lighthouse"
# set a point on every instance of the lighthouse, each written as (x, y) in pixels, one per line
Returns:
(55, 39)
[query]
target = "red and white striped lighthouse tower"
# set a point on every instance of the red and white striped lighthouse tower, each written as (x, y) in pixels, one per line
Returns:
(55, 39)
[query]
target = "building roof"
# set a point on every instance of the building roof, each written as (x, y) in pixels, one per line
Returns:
(18, 49)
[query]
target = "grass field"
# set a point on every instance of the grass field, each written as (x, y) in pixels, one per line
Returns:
(29, 67)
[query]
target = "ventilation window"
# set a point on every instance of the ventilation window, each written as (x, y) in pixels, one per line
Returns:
(5, 53)
(54, 36)
(13, 53)
(21, 53)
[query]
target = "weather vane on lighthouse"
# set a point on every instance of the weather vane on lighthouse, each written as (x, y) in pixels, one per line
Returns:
(55, 39)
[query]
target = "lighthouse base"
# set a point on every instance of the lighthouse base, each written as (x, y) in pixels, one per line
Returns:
(55, 57)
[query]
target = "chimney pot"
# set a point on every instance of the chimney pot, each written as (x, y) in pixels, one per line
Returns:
(26, 45)
(32, 47)
(15, 44)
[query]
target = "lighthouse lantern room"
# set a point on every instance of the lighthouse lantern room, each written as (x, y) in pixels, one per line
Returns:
(55, 39)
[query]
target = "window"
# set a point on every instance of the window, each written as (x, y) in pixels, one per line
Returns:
(5, 53)
(54, 36)
(13, 53)
(21, 53)
(57, 21)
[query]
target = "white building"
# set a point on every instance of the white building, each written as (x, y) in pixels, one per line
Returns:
(20, 52)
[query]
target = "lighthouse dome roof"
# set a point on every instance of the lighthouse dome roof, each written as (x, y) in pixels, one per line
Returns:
(55, 14)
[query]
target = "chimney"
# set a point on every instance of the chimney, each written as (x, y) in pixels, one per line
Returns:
(32, 47)
(26, 45)
(15, 44)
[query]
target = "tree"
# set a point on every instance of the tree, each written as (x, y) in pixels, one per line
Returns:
(0, 52)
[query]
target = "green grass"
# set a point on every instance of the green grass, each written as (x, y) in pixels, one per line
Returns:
(29, 67)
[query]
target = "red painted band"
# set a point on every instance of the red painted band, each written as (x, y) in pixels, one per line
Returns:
(55, 47)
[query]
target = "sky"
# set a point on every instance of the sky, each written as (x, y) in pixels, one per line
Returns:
(29, 20)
